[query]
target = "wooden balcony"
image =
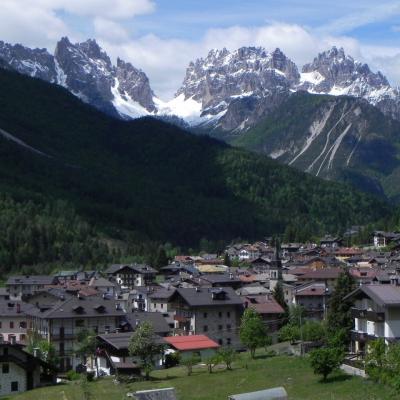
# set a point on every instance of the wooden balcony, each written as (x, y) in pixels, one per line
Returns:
(375, 316)
(358, 313)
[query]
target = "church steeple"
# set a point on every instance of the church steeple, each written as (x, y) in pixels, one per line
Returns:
(276, 260)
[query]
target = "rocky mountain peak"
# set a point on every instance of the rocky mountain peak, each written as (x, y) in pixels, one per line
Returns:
(37, 63)
(133, 85)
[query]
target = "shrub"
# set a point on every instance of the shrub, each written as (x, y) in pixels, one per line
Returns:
(73, 375)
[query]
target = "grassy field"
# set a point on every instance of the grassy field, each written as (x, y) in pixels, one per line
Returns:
(291, 372)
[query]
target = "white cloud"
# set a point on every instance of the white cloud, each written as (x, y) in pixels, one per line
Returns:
(111, 9)
(24, 22)
(109, 30)
(371, 14)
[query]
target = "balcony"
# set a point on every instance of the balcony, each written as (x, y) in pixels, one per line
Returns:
(357, 313)
(359, 336)
(375, 316)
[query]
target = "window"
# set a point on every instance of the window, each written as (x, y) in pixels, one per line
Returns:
(162, 305)
(228, 341)
(220, 314)
(228, 314)
(205, 328)
(0, 324)
(220, 342)
(22, 324)
(228, 327)
(220, 327)
(11, 324)
(205, 315)
(79, 323)
(14, 386)
(22, 338)
(6, 368)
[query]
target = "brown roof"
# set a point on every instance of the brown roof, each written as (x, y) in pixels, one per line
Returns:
(263, 304)
(323, 273)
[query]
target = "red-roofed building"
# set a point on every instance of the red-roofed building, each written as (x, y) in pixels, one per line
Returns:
(192, 344)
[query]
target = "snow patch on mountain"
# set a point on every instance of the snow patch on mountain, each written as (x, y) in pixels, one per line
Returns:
(125, 105)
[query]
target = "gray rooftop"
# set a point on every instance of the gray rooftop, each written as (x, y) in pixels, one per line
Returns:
(278, 393)
(196, 297)
(383, 295)
(87, 307)
(31, 280)
(138, 268)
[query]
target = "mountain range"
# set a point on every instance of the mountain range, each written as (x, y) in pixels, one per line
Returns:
(149, 180)
(228, 91)
(334, 118)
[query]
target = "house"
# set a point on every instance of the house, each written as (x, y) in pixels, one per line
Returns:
(331, 242)
(328, 276)
(113, 355)
(61, 323)
(193, 344)
(159, 300)
(214, 312)
(130, 275)
(267, 307)
(383, 239)
(220, 280)
(20, 371)
(21, 286)
(104, 286)
(313, 297)
(156, 319)
(376, 314)
(13, 322)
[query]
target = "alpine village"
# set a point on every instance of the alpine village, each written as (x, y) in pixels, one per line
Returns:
(239, 241)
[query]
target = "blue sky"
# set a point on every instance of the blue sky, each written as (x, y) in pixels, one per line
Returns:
(162, 36)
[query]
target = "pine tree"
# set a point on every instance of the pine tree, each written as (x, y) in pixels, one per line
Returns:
(227, 260)
(161, 259)
(339, 315)
(279, 296)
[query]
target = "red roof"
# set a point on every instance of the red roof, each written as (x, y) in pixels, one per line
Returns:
(191, 342)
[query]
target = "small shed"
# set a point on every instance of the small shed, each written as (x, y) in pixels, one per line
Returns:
(192, 344)
(278, 393)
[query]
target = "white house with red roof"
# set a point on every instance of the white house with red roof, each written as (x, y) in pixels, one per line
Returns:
(192, 344)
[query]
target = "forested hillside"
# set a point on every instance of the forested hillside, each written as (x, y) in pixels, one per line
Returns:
(144, 180)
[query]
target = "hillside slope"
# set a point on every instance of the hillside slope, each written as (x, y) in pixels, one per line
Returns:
(154, 180)
(336, 138)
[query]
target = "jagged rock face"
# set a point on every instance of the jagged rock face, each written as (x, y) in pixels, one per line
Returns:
(38, 63)
(335, 73)
(222, 78)
(134, 83)
(86, 71)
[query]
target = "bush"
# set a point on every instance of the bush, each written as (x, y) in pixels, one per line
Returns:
(73, 375)
(171, 360)
(326, 360)
(289, 333)
(90, 376)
